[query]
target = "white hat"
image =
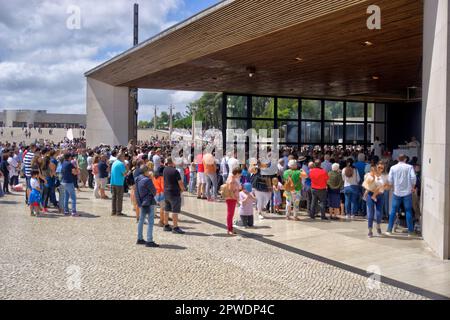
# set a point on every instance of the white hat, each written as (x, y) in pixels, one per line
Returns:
(292, 164)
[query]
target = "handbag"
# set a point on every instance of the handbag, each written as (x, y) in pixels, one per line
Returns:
(289, 184)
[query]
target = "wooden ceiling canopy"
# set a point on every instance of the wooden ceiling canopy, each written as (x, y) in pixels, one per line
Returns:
(296, 48)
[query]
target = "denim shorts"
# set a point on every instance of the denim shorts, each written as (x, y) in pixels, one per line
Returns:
(160, 198)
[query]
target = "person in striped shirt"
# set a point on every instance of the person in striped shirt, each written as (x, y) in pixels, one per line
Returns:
(28, 157)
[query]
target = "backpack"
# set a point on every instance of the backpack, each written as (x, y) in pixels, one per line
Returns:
(225, 191)
(289, 185)
(130, 179)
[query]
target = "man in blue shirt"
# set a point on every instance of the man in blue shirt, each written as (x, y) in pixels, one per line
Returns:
(68, 173)
(118, 173)
(360, 165)
(402, 178)
(102, 176)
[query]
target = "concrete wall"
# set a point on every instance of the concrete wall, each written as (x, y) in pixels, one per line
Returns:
(436, 124)
(107, 109)
(8, 117)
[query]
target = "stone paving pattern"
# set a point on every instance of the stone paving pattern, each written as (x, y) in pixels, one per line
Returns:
(203, 264)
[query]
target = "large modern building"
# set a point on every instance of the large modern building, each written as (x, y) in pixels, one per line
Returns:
(325, 72)
(40, 118)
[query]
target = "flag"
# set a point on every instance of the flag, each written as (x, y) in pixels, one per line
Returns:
(70, 134)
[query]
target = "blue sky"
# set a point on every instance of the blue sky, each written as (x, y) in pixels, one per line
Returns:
(42, 60)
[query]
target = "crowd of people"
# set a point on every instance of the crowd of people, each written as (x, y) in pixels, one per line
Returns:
(38, 132)
(332, 184)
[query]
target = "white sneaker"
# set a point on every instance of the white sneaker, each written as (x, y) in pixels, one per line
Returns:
(261, 217)
(347, 217)
(388, 233)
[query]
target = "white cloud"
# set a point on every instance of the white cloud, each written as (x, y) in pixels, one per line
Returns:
(42, 62)
(184, 97)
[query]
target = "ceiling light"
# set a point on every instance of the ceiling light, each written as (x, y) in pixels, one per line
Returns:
(251, 71)
(375, 77)
(299, 59)
(367, 43)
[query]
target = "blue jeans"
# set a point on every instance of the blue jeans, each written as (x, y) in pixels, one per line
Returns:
(407, 203)
(192, 182)
(211, 185)
(374, 209)
(150, 211)
(69, 192)
(352, 195)
(61, 196)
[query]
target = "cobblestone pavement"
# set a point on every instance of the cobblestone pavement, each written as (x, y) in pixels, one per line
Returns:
(43, 258)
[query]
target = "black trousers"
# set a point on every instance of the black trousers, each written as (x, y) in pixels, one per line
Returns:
(318, 197)
(91, 179)
(247, 221)
(14, 181)
(6, 183)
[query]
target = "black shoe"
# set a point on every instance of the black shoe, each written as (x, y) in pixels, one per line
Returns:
(178, 230)
(152, 245)
(324, 218)
(141, 242)
(121, 215)
(168, 228)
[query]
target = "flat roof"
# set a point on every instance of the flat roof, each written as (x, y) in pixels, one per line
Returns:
(297, 48)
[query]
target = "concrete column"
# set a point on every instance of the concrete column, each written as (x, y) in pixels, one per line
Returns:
(108, 114)
(436, 127)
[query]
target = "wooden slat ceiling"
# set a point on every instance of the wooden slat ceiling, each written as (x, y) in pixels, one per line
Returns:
(213, 52)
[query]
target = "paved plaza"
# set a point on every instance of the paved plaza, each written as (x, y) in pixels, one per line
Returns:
(95, 257)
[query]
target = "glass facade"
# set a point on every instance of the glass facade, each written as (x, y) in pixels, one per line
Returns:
(308, 123)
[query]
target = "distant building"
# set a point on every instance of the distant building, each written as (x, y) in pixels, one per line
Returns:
(40, 118)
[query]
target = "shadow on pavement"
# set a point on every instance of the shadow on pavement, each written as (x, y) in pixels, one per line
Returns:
(188, 221)
(255, 235)
(221, 235)
(87, 215)
(198, 234)
(48, 216)
(8, 202)
(171, 247)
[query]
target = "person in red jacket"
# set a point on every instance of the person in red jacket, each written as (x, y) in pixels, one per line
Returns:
(319, 179)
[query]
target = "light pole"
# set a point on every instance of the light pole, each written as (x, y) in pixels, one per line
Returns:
(155, 119)
(194, 110)
(170, 121)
